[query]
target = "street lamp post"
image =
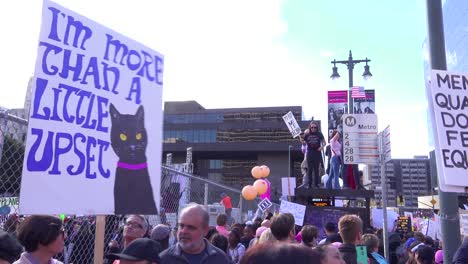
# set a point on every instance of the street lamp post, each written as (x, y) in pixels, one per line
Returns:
(366, 75)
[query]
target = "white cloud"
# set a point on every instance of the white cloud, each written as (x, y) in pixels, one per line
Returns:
(408, 126)
(223, 54)
(326, 54)
(426, 53)
(452, 60)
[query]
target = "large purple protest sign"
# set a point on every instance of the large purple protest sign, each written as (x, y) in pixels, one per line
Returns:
(94, 136)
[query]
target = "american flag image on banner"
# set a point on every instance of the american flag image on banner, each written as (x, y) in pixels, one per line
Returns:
(358, 92)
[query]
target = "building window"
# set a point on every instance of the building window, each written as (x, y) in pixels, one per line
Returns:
(216, 164)
(207, 118)
(190, 136)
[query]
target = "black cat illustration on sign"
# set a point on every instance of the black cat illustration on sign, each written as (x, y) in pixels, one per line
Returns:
(133, 193)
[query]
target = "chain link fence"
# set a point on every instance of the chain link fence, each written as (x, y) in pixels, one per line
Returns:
(12, 136)
(178, 188)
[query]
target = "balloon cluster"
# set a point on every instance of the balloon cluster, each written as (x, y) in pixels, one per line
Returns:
(260, 186)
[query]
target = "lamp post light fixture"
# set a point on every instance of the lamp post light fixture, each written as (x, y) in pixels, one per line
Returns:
(350, 62)
(335, 75)
(367, 74)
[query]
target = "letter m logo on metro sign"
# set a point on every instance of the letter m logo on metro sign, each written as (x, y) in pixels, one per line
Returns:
(350, 121)
(448, 104)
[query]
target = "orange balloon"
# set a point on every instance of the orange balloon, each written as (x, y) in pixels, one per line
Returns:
(261, 186)
(249, 192)
(257, 172)
(265, 171)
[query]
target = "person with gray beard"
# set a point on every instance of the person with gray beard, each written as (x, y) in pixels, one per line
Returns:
(192, 247)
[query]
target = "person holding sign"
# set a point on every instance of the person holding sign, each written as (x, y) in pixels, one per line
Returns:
(315, 142)
(335, 162)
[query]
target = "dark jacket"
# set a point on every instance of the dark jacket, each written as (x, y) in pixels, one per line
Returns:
(173, 255)
(334, 238)
(461, 255)
(348, 252)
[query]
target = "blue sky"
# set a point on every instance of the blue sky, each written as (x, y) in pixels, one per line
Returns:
(227, 54)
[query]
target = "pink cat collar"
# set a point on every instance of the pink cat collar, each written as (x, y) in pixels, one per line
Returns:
(128, 166)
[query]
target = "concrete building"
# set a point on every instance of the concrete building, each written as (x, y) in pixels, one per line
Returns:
(227, 143)
(409, 178)
(10, 127)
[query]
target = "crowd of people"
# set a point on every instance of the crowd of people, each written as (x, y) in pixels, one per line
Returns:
(41, 239)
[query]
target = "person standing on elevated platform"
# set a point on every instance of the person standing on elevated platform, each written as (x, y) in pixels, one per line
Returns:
(335, 162)
(315, 143)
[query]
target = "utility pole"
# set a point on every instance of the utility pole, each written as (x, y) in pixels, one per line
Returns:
(383, 183)
(350, 62)
(449, 217)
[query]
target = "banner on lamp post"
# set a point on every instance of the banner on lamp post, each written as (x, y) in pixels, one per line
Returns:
(337, 107)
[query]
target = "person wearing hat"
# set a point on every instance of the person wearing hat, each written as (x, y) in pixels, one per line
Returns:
(439, 257)
(139, 251)
(10, 248)
(424, 254)
(161, 233)
(258, 233)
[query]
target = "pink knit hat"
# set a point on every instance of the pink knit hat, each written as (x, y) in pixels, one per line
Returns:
(439, 256)
(299, 237)
(336, 244)
(260, 231)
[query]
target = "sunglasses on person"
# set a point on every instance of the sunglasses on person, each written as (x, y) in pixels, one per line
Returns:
(313, 127)
(53, 229)
(62, 231)
(133, 225)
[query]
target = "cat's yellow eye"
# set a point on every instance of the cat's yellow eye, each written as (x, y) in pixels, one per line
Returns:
(138, 136)
(123, 137)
